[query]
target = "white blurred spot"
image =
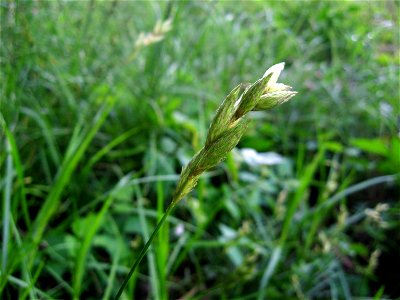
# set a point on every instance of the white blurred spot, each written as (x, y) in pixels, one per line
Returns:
(229, 17)
(385, 109)
(254, 158)
(179, 229)
(387, 23)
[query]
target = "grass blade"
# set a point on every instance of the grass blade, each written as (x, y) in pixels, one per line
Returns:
(85, 247)
(103, 151)
(288, 221)
(68, 166)
(88, 238)
(18, 168)
(273, 262)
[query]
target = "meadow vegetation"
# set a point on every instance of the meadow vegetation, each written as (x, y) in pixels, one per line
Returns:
(104, 102)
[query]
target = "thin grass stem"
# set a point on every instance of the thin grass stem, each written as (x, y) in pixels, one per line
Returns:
(6, 208)
(145, 249)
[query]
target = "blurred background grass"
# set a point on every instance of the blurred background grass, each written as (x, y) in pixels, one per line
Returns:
(103, 102)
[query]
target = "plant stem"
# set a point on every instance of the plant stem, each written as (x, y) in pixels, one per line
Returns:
(145, 248)
(6, 208)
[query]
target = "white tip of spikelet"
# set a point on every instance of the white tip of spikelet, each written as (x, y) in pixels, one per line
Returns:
(275, 70)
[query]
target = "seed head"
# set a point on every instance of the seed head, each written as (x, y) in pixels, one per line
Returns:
(229, 124)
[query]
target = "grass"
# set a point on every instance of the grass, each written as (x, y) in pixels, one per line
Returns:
(95, 131)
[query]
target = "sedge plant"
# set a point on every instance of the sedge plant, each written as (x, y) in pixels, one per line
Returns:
(225, 132)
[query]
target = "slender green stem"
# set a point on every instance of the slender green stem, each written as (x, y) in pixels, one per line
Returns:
(6, 208)
(145, 248)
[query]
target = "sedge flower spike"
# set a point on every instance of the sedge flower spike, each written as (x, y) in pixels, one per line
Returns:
(230, 122)
(225, 132)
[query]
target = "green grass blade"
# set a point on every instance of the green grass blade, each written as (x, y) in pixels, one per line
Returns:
(68, 166)
(354, 189)
(317, 218)
(48, 135)
(85, 247)
(19, 256)
(273, 262)
(22, 284)
(299, 195)
(116, 259)
(30, 288)
(18, 168)
(111, 276)
(107, 148)
(288, 221)
(88, 238)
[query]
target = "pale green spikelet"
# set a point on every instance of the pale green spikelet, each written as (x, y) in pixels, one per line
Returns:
(270, 100)
(251, 96)
(223, 116)
(217, 151)
(208, 157)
